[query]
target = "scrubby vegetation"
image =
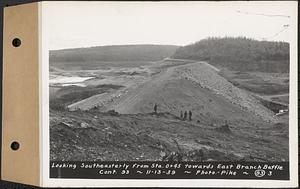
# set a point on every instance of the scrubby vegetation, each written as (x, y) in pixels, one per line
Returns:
(240, 54)
(114, 53)
(260, 83)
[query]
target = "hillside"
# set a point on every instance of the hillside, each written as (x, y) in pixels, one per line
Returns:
(96, 136)
(113, 53)
(239, 54)
(196, 87)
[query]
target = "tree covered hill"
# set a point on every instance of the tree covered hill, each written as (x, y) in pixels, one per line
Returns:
(240, 54)
(113, 53)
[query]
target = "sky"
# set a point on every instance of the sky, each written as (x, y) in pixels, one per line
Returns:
(86, 24)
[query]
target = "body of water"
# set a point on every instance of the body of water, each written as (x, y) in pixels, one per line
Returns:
(65, 80)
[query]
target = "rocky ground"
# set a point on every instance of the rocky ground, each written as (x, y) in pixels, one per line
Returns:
(96, 136)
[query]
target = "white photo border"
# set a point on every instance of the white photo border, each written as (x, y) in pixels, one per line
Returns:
(46, 181)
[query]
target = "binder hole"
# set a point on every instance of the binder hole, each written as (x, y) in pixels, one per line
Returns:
(16, 42)
(15, 145)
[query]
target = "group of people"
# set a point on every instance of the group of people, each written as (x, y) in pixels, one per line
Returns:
(187, 115)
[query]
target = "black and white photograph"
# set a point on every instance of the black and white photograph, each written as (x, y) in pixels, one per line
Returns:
(170, 82)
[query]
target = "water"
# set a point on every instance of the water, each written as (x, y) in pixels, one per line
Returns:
(68, 80)
(74, 84)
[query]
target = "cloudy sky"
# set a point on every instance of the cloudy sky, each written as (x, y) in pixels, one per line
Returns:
(85, 24)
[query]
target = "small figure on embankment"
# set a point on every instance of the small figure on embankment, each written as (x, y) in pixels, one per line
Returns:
(185, 115)
(155, 108)
(190, 115)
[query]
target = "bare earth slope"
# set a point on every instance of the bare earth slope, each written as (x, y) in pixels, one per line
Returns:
(96, 136)
(196, 87)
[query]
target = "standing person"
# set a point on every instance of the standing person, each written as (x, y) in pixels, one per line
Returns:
(181, 114)
(155, 108)
(190, 115)
(185, 115)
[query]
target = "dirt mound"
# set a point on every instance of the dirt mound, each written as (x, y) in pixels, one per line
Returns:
(224, 129)
(208, 78)
(192, 87)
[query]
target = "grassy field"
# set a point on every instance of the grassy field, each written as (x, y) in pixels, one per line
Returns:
(259, 82)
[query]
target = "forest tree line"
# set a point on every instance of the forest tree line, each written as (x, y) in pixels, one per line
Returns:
(240, 54)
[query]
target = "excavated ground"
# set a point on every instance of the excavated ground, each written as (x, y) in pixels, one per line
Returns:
(96, 136)
(228, 123)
